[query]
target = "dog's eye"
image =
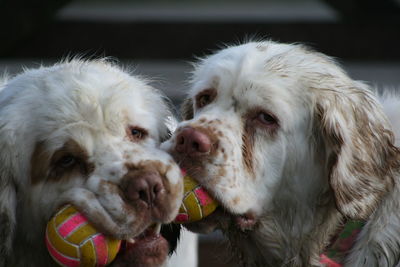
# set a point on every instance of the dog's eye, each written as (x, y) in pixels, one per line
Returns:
(137, 133)
(203, 100)
(67, 161)
(266, 119)
(205, 97)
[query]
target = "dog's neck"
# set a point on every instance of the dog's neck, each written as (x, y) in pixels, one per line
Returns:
(296, 229)
(295, 241)
(378, 242)
(296, 234)
(30, 252)
(29, 247)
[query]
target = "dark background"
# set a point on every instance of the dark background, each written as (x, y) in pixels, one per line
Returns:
(159, 38)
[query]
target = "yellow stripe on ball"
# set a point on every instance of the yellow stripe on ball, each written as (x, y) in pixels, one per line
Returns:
(193, 207)
(59, 243)
(196, 203)
(88, 254)
(81, 234)
(63, 214)
(72, 241)
(113, 248)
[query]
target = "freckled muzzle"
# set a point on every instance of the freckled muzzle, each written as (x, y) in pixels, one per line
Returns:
(149, 191)
(149, 194)
(193, 142)
(199, 149)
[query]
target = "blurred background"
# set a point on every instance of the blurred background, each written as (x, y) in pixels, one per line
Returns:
(159, 38)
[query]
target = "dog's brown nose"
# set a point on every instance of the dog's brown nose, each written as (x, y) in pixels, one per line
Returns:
(192, 142)
(146, 187)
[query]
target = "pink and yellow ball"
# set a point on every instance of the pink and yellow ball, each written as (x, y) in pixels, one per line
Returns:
(197, 203)
(72, 241)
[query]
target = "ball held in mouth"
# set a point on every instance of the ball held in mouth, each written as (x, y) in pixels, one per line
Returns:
(197, 203)
(72, 241)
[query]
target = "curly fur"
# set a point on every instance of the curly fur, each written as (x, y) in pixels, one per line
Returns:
(84, 110)
(329, 155)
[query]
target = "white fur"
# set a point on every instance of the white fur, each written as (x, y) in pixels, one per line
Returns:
(186, 252)
(331, 157)
(391, 102)
(92, 103)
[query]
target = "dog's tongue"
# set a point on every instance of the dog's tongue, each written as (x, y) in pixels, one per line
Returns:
(147, 250)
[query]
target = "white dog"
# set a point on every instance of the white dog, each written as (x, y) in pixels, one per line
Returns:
(84, 133)
(292, 148)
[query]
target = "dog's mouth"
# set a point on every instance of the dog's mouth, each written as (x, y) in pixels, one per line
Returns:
(143, 245)
(222, 218)
(149, 249)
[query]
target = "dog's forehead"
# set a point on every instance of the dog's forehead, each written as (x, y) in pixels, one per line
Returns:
(254, 76)
(88, 95)
(102, 94)
(238, 68)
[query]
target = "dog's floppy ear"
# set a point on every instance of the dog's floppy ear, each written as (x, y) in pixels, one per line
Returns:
(360, 148)
(187, 109)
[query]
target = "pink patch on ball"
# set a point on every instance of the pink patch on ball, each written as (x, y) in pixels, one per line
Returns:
(71, 224)
(182, 217)
(203, 197)
(183, 172)
(329, 263)
(101, 249)
(60, 258)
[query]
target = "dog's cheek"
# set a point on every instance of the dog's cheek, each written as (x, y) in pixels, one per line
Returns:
(167, 146)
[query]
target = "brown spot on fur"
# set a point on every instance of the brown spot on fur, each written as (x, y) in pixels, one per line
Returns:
(47, 167)
(368, 169)
(187, 109)
(148, 165)
(221, 172)
(213, 182)
(203, 120)
(39, 163)
(153, 166)
(235, 201)
(248, 147)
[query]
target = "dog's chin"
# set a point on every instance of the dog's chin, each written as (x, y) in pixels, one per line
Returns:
(150, 249)
(147, 250)
(222, 220)
(217, 220)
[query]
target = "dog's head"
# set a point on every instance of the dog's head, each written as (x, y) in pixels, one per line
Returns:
(272, 127)
(84, 133)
